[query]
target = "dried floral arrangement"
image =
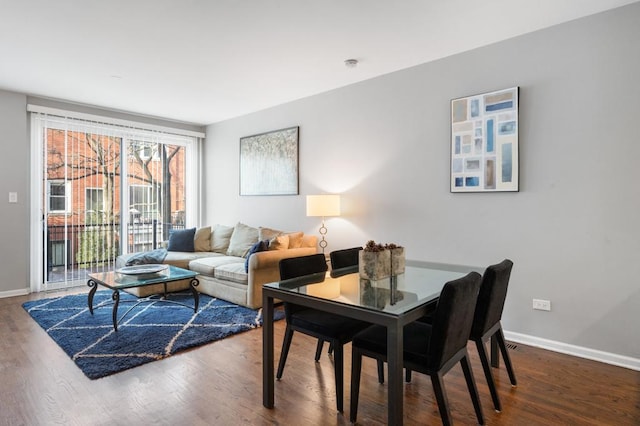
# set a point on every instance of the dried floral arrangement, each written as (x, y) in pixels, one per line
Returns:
(374, 247)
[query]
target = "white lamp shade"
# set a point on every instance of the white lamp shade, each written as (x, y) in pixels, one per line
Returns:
(323, 205)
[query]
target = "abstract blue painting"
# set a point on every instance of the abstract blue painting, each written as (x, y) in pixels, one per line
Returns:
(484, 140)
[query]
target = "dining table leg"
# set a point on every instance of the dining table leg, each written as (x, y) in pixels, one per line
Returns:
(268, 393)
(395, 407)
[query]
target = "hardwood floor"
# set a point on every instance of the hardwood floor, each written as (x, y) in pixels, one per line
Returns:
(221, 384)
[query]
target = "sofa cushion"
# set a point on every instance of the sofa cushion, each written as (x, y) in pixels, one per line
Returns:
(268, 233)
(281, 242)
(259, 246)
(242, 239)
(220, 236)
(181, 240)
(181, 259)
(295, 239)
(207, 265)
(202, 239)
(232, 272)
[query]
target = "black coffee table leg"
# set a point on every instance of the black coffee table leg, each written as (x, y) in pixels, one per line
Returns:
(196, 297)
(94, 286)
(116, 300)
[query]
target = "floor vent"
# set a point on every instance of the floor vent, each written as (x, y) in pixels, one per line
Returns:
(512, 346)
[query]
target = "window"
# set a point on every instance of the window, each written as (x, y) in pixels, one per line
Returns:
(143, 203)
(94, 205)
(100, 183)
(59, 194)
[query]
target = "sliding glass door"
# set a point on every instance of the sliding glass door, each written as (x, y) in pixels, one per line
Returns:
(105, 190)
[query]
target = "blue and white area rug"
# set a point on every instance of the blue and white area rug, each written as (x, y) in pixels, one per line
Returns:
(151, 331)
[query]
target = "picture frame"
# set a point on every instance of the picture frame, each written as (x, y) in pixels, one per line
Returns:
(269, 163)
(484, 142)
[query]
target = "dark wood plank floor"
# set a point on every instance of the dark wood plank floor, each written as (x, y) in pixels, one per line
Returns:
(221, 383)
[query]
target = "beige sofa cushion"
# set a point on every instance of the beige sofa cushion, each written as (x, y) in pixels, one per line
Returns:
(202, 239)
(242, 239)
(232, 272)
(220, 237)
(181, 259)
(268, 233)
(295, 239)
(281, 242)
(207, 265)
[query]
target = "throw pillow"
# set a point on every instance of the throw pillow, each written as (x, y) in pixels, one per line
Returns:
(268, 233)
(220, 237)
(295, 239)
(242, 239)
(181, 240)
(259, 246)
(202, 239)
(281, 242)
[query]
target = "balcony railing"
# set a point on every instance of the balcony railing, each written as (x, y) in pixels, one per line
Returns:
(93, 245)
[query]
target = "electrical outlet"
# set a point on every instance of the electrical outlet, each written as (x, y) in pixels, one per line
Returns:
(541, 305)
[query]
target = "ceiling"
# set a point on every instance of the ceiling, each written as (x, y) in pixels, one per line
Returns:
(202, 61)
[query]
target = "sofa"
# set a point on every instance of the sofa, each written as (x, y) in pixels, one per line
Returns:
(232, 262)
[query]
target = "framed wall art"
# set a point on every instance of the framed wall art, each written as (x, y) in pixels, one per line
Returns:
(269, 163)
(484, 142)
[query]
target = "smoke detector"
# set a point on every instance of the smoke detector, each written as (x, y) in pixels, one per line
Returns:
(351, 63)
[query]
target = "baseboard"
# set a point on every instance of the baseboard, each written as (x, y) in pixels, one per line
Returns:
(579, 351)
(12, 293)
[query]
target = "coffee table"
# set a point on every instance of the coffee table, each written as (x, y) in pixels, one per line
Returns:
(117, 281)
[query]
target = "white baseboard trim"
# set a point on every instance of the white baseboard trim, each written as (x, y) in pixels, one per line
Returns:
(579, 351)
(12, 293)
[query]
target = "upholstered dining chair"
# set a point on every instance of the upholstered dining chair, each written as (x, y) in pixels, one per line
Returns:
(431, 349)
(325, 326)
(344, 261)
(486, 323)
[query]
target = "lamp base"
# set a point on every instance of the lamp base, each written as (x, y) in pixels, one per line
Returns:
(323, 242)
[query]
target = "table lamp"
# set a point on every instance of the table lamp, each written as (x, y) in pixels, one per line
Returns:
(323, 206)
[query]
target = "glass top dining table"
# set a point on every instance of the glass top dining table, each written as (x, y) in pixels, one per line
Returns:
(392, 302)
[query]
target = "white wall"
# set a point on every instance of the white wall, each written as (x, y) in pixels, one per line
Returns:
(572, 230)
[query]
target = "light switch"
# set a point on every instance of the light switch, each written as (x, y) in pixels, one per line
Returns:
(13, 197)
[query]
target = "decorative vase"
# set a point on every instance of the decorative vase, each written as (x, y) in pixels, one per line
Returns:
(397, 261)
(374, 265)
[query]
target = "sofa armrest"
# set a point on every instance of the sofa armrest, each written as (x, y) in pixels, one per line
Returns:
(264, 267)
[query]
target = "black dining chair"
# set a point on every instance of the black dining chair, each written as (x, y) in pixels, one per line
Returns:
(325, 326)
(431, 349)
(487, 323)
(344, 261)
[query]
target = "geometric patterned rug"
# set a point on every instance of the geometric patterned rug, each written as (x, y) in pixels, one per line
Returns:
(150, 332)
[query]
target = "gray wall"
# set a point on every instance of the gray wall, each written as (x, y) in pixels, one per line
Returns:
(14, 177)
(572, 230)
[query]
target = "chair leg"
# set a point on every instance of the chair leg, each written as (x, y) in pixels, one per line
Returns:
(338, 361)
(286, 343)
(319, 349)
(407, 375)
(505, 355)
(488, 375)
(356, 367)
(441, 397)
(330, 348)
(380, 372)
(473, 390)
